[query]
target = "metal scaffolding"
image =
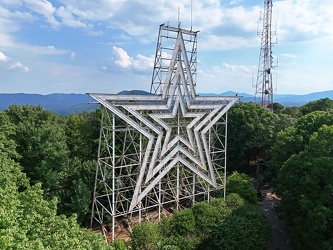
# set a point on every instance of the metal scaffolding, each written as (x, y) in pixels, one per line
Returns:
(264, 85)
(159, 152)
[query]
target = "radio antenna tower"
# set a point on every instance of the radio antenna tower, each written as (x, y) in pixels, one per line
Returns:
(264, 85)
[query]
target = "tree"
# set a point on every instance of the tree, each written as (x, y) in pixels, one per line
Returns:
(294, 139)
(7, 129)
(41, 145)
(179, 231)
(183, 222)
(288, 142)
(44, 155)
(324, 104)
(234, 201)
(241, 184)
(246, 229)
(293, 111)
(252, 132)
(75, 189)
(82, 134)
(206, 218)
(145, 236)
(305, 182)
(27, 221)
(277, 108)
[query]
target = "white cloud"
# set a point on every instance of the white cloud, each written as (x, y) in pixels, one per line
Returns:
(303, 20)
(19, 66)
(121, 57)
(3, 57)
(45, 8)
(123, 60)
(68, 19)
(245, 70)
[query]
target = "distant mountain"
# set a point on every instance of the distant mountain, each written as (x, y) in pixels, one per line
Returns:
(133, 92)
(78, 103)
(286, 99)
(57, 103)
(228, 93)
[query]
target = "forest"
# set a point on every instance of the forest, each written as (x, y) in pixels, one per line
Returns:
(48, 162)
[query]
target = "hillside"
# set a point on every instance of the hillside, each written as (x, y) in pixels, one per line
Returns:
(77, 103)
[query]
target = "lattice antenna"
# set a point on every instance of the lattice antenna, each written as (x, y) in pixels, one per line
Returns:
(167, 37)
(191, 14)
(178, 17)
(264, 86)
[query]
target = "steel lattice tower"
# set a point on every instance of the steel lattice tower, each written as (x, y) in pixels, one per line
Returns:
(163, 151)
(264, 85)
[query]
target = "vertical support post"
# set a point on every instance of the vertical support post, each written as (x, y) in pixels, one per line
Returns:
(113, 174)
(97, 168)
(193, 189)
(225, 156)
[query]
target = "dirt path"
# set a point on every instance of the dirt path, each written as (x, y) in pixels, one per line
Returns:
(279, 240)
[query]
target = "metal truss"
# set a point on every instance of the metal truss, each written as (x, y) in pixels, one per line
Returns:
(264, 85)
(159, 152)
(167, 39)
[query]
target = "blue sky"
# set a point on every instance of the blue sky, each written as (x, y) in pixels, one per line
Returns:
(80, 46)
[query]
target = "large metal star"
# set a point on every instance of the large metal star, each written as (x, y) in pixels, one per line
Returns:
(164, 152)
(165, 148)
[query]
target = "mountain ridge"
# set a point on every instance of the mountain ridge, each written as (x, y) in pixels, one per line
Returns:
(61, 103)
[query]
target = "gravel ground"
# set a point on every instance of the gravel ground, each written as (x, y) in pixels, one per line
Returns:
(279, 240)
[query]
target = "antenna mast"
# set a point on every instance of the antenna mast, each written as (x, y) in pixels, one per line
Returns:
(264, 85)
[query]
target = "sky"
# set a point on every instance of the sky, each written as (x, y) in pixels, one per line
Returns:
(106, 46)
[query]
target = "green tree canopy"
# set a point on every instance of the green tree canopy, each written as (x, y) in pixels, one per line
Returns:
(41, 144)
(27, 221)
(251, 130)
(295, 138)
(247, 228)
(145, 236)
(324, 104)
(242, 185)
(305, 182)
(82, 134)
(7, 130)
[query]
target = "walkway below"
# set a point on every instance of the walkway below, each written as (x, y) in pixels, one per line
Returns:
(279, 240)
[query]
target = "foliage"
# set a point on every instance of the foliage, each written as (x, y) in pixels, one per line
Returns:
(241, 184)
(294, 139)
(119, 244)
(277, 108)
(246, 229)
(221, 207)
(324, 104)
(284, 121)
(40, 140)
(305, 182)
(253, 132)
(293, 111)
(65, 172)
(180, 242)
(183, 222)
(145, 236)
(27, 221)
(206, 217)
(75, 192)
(234, 201)
(288, 142)
(7, 130)
(82, 135)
